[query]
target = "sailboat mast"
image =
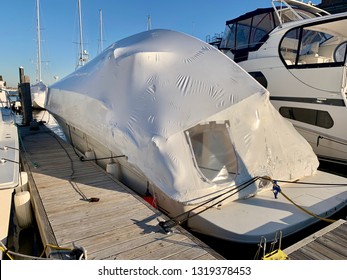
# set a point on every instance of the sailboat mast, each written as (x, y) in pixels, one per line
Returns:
(38, 65)
(100, 31)
(80, 60)
(148, 22)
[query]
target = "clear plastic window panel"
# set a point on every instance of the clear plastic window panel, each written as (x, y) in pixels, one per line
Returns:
(213, 151)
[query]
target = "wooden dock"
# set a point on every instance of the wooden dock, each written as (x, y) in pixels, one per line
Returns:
(329, 243)
(120, 225)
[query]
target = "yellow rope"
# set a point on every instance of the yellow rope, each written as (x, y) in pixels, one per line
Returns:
(6, 252)
(306, 211)
(300, 207)
(54, 247)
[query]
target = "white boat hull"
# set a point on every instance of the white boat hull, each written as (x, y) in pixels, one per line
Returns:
(263, 215)
(5, 213)
(9, 169)
(179, 130)
(38, 95)
(244, 220)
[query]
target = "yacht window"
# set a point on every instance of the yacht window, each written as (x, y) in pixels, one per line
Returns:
(228, 41)
(242, 35)
(309, 116)
(320, 45)
(248, 32)
(214, 154)
(340, 52)
(261, 26)
(289, 46)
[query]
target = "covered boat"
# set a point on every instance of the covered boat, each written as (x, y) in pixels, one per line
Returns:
(177, 118)
(38, 95)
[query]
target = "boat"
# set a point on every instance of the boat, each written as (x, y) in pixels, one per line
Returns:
(38, 90)
(38, 95)
(172, 117)
(298, 52)
(11, 177)
(3, 92)
(3, 97)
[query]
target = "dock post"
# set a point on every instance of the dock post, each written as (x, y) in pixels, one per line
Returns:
(25, 94)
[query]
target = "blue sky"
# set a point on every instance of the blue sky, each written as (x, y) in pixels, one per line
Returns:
(59, 28)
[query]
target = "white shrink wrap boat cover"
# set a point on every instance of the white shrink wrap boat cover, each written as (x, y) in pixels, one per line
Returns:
(142, 94)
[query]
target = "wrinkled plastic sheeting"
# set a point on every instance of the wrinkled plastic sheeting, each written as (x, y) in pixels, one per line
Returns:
(142, 93)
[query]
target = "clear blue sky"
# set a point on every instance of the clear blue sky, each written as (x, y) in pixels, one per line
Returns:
(59, 28)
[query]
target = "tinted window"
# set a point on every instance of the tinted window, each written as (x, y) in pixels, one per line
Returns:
(309, 116)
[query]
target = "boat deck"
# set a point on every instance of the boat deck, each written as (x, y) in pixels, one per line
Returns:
(120, 225)
(329, 243)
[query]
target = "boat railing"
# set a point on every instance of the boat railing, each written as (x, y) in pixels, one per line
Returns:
(283, 5)
(291, 10)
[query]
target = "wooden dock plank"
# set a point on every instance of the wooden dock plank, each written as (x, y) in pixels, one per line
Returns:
(121, 234)
(299, 255)
(137, 247)
(329, 253)
(120, 225)
(329, 243)
(187, 253)
(341, 241)
(333, 246)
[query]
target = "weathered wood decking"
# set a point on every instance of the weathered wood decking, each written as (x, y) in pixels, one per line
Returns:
(329, 243)
(119, 226)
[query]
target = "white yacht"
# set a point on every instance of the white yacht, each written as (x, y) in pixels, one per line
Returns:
(38, 95)
(10, 176)
(298, 52)
(174, 117)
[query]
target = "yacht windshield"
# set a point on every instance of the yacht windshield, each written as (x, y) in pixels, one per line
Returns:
(248, 31)
(214, 154)
(316, 45)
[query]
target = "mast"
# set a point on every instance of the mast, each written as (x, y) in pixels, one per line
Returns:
(100, 31)
(38, 30)
(83, 54)
(80, 60)
(148, 22)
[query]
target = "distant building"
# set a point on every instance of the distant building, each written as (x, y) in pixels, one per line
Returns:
(334, 6)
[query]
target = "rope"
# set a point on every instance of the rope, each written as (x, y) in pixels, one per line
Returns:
(277, 189)
(76, 253)
(5, 251)
(72, 183)
(9, 147)
(95, 159)
(167, 225)
(303, 183)
(25, 151)
(306, 211)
